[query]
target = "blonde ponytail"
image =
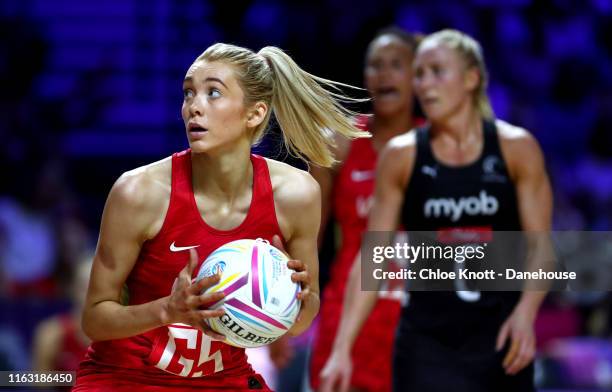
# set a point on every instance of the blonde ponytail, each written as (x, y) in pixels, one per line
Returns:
(308, 113)
(308, 108)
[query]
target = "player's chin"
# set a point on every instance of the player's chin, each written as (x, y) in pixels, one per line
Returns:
(434, 113)
(199, 146)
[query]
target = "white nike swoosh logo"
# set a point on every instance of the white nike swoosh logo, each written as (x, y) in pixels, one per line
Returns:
(362, 175)
(174, 248)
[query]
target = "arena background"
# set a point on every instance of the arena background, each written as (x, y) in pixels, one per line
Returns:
(90, 89)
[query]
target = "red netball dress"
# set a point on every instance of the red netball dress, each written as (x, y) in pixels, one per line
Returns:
(179, 357)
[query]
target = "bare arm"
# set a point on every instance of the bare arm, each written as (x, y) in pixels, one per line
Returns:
(298, 200)
(384, 216)
(526, 166)
(122, 233)
(281, 351)
(535, 207)
(47, 338)
(394, 165)
(131, 215)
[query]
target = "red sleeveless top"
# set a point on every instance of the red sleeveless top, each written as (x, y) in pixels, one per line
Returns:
(179, 354)
(352, 198)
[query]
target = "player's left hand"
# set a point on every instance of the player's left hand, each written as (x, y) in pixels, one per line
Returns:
(300, 275)
(519, 328)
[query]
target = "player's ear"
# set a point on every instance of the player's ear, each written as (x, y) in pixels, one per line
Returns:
(256, 114)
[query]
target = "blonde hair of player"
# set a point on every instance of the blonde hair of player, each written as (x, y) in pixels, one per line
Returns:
(471, 53)
(308, 108)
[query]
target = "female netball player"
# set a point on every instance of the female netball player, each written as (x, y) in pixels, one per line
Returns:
(450, 340)
(347, 189)
(162, 220)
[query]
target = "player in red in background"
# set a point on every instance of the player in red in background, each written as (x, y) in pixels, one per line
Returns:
(59, 343)
(468, 341)
(347, 191)
(157, 216)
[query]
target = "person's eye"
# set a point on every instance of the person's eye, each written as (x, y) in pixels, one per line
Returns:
(375, 66)
(187, 93)
(214, 93)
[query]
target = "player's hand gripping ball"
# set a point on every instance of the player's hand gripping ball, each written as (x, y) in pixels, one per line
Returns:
(260, 299)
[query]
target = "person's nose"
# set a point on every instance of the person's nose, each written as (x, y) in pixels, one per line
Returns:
(196, 107)
(423, 82)
(384, 73)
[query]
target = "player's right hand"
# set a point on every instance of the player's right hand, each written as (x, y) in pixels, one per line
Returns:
(187, 305)
(336, 374)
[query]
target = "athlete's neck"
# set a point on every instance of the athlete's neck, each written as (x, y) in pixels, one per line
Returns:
(223, 175)
(461, 128)
(385, 127)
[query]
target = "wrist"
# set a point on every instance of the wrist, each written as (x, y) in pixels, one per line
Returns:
(163, 312)
(309, 310)
(342, 346)
(527, 309)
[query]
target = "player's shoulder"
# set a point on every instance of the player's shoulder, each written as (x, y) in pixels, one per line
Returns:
(397, 159)
(516, 140)
(144, 186)
(400, 149)
(520, 149)
(404, 141)
(291, 185)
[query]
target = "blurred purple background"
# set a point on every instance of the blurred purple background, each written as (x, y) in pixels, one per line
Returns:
(91, 89)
